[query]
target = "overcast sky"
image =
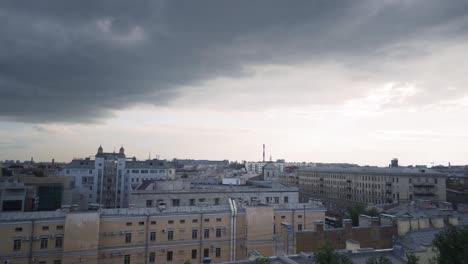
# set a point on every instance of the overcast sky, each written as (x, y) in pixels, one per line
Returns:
(329, 81)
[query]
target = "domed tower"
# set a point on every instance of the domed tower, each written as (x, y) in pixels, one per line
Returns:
(122, 150)
(100, 150)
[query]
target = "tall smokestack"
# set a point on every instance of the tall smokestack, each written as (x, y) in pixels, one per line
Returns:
(263, 152)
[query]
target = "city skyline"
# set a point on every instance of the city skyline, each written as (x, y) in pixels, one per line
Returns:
(356, 82)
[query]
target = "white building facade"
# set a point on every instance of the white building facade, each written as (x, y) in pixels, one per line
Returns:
(110, 177)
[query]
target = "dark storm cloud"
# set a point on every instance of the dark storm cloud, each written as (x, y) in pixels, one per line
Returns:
(77, 61)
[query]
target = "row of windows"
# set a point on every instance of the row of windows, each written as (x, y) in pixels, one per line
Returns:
(176, 202)
(170, 235)
(148, 171)
(44, 228)
(44, 243)
(170, 255)
(181, 221)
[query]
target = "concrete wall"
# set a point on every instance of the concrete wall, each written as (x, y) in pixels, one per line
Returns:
(375, 236)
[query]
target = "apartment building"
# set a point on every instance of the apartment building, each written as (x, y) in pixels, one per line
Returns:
(369, 185)
(150, 235)
(108, 179)
(172, 194)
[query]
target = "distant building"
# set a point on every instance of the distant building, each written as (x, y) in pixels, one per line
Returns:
(368, 185)
(109, 178)
(271, 171)
(257, 167)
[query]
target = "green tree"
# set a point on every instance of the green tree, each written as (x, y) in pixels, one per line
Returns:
(354, 213)
(412, 259)
(187, 262)
(326, 254)
(263, 260)
(451, 245)
(378, 260)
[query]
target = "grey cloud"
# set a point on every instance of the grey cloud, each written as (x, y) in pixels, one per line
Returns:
(79, 61)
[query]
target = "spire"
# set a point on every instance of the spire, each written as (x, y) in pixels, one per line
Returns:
(121, 150)
(100, 150)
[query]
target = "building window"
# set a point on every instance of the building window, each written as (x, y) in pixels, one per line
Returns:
(170, 235)
(57, 261)
(206, 252)
(286, 199)
(152, 257)
(192, 202)
(45, 228)
(153, 236)
(170, 222)
(435, 181)
(218, 252)
(194, 234)
(218, 232)
(195, 221)
(149, 203)
(128, 238)
(206, 233)
(17, 245)
(216, 201)
(129, 224)
(194, 253)
(299, 216)
(144, 171)
(44, 242)
(283, 217)
(276, 200)
(207, 220)
(169, 256)
(18, 229)
(59, 227)
(299, 227)
(218, 219)
(58, 242)
(141, 223)
(153, 222)
(175, 202)
(182, 221)
(127, 259)
(201, 200)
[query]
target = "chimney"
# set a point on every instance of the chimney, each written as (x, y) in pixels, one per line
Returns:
(263, 152)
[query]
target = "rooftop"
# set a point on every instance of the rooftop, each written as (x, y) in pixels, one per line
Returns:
(415, 239)
(11, 216)
(216, 187)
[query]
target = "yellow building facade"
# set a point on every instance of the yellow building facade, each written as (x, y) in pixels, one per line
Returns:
(150, 235)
